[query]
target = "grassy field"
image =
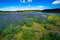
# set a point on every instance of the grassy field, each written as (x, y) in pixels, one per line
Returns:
(34, 28)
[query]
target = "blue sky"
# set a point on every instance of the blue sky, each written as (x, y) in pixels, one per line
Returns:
(10, 5)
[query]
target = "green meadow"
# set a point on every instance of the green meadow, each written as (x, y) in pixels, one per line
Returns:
(29, 26)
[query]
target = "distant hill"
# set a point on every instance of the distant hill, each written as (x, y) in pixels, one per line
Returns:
(57, 10)
(29, 10)
(52, 10)
(23, 11)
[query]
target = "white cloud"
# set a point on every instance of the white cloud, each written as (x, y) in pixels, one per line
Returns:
(29, 0)
(41, 7)
(25, 1)
(56, 2)
(14, 8)
(10, 8)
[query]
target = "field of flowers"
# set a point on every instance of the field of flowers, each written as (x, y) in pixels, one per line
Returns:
(29, 26)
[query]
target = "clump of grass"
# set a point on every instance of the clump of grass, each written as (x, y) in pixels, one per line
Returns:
(0, 21)
(8, 31)
(46, 26)
(18, 29)
(0, 31)
(20, 22)
(54, 36)
(28, 22)
(57, 24)
(50, 36)
(27, 35)
(5, 26)
(42, 20)
(45, 37)
(52, 19)
(11, 30)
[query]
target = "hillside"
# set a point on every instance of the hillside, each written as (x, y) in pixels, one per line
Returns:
(52, 10)
(57, 10)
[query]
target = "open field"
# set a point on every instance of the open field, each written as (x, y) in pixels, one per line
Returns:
(30, 26)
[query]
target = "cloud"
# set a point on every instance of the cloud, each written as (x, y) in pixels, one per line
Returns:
(41, 7)
(29, 0)
(25, 1)
(56, 2)
(11, 8)
(14, 8)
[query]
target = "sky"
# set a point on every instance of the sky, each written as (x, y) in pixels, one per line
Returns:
(13, 5)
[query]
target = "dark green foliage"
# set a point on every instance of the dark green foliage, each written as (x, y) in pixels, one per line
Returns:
(54, 36)
(42, 20)
(27, 35)
(46, 37)
(57, 24)
(0, 21)
(50, 36)
(52, 21)
(5, 26)
(56, 10)
(58, 37)
(0, 31)
(17, 29)
(46, 26)
(11, 30)
(11, 25)
(20, 22)
(28, 23)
